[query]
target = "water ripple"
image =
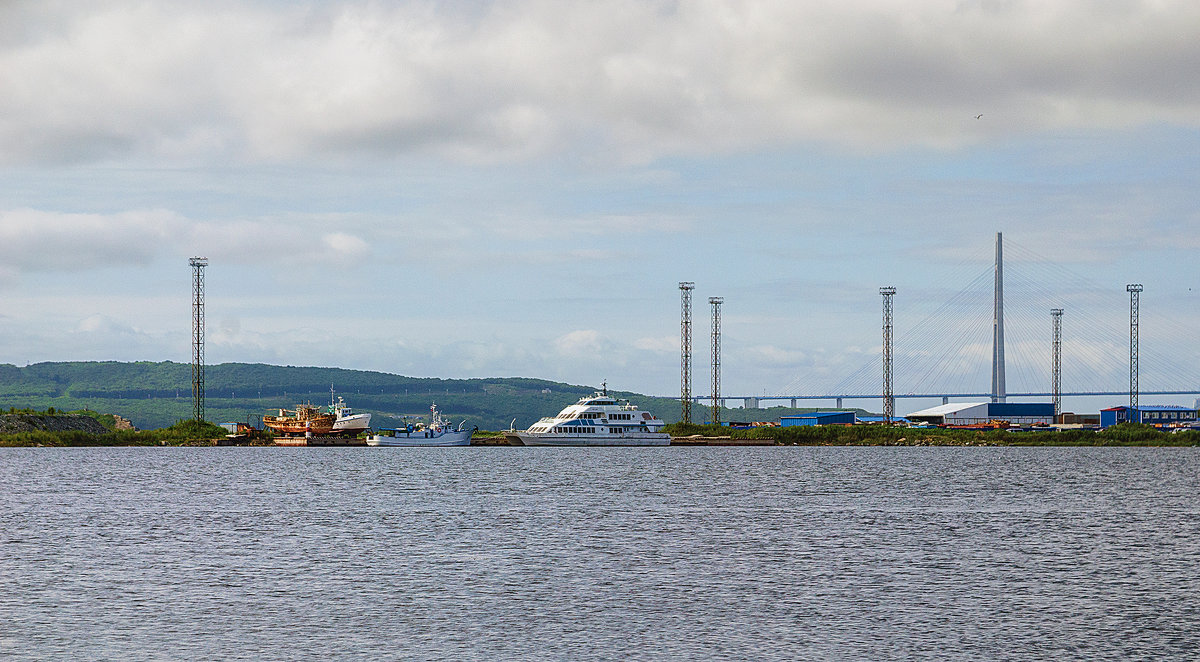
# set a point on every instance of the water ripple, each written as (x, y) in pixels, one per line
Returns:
(600, 554)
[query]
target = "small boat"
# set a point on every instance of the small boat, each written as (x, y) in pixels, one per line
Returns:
(596, 420)
(438, 432)
(347, 422)
(303, 419)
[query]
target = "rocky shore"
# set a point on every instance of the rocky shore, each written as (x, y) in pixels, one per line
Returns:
(14, 423)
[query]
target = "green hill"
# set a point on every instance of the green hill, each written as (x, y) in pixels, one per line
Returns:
(156, 395)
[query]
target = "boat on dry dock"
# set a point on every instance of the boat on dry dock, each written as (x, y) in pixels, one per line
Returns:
(438, 432)
(304, 419)
(596, 420)
(347, 422)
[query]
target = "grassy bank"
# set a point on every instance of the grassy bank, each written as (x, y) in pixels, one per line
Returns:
(193, 433)
(1125, 434)
(183, 433)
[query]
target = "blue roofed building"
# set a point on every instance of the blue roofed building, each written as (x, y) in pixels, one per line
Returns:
(819, 418)
(1160, 415)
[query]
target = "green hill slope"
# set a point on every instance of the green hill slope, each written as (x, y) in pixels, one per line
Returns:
(156, 395)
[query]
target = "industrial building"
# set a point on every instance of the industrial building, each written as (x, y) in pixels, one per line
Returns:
(1159, 415)
(972, 413)
(818, 418)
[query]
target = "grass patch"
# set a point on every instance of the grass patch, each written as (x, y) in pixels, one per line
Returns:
(1124, 434)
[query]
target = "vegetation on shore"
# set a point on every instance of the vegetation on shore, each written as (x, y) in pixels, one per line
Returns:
(197, 433)
(182, 433)
(1124, 434)
(157, 398)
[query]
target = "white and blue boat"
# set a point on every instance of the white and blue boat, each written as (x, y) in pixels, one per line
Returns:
(438, 432)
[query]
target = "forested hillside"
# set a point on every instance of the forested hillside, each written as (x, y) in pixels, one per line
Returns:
(155, 395)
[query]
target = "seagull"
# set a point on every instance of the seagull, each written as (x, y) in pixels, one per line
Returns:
(979, 115)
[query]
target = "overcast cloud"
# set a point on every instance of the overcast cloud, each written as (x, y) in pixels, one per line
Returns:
(626, 80)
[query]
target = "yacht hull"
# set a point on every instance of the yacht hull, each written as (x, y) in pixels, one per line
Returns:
(522, 438)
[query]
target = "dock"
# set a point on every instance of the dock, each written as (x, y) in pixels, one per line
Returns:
(319, 441)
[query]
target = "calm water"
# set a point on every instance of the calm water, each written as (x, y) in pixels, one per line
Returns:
(579, 554)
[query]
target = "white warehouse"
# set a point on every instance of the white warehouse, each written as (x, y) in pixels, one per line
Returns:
(969, 413)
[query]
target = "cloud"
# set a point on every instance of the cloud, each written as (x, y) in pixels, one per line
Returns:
(345, 247)
(662, 345)
(34, 240)
(583, 342)
(623, 80)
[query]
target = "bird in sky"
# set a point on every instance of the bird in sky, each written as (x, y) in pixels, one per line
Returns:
(979, 115)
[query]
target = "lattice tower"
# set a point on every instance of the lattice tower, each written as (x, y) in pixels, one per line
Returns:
(889, 400)
(1135, 291)
(716, 358)
(198, 264)
(685, 344)
(1056, 362)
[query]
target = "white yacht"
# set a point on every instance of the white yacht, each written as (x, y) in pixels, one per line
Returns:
(438, 432)
(596, 420)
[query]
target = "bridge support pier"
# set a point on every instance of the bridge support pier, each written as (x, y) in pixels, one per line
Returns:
(839, 403)
(945, 400)
(793, 403)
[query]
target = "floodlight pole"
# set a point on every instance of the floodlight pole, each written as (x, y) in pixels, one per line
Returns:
(198, 264)
(685, 344)
(1135, 291)
(1056, 362)
(889, 401)
(716, 358)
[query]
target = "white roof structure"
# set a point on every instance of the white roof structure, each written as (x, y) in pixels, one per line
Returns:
(952, 409)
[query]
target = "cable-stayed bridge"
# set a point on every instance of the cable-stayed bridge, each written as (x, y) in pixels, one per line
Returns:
(1036, 326)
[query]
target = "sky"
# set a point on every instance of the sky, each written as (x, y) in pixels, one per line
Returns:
(515, 188)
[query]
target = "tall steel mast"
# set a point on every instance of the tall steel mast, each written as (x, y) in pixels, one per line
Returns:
(716, 358)
(1135, 291)
(1056, 362)
(198, 264)
(685, 344)
(889, 401)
